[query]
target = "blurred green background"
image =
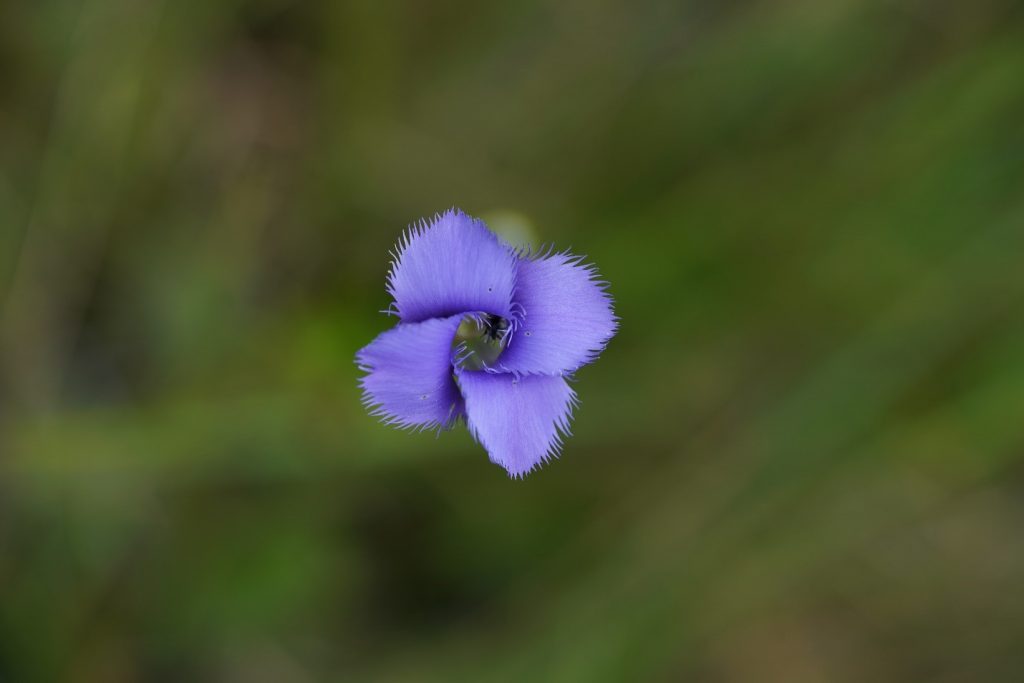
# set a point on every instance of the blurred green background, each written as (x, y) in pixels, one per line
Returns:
(801, 459)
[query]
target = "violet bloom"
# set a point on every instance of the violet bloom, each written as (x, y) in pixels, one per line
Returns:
(488, 334)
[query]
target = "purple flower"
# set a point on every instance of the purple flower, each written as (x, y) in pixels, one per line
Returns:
(489, 334)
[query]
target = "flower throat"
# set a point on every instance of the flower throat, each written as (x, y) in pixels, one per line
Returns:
(479, 341)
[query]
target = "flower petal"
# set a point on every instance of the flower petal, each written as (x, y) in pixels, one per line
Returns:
(453, 265)
(520, 421)
(567, 316)
(409, 381)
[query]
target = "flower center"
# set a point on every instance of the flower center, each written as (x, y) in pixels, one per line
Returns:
(479, 341)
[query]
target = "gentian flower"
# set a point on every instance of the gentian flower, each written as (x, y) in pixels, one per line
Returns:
(488, 334)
